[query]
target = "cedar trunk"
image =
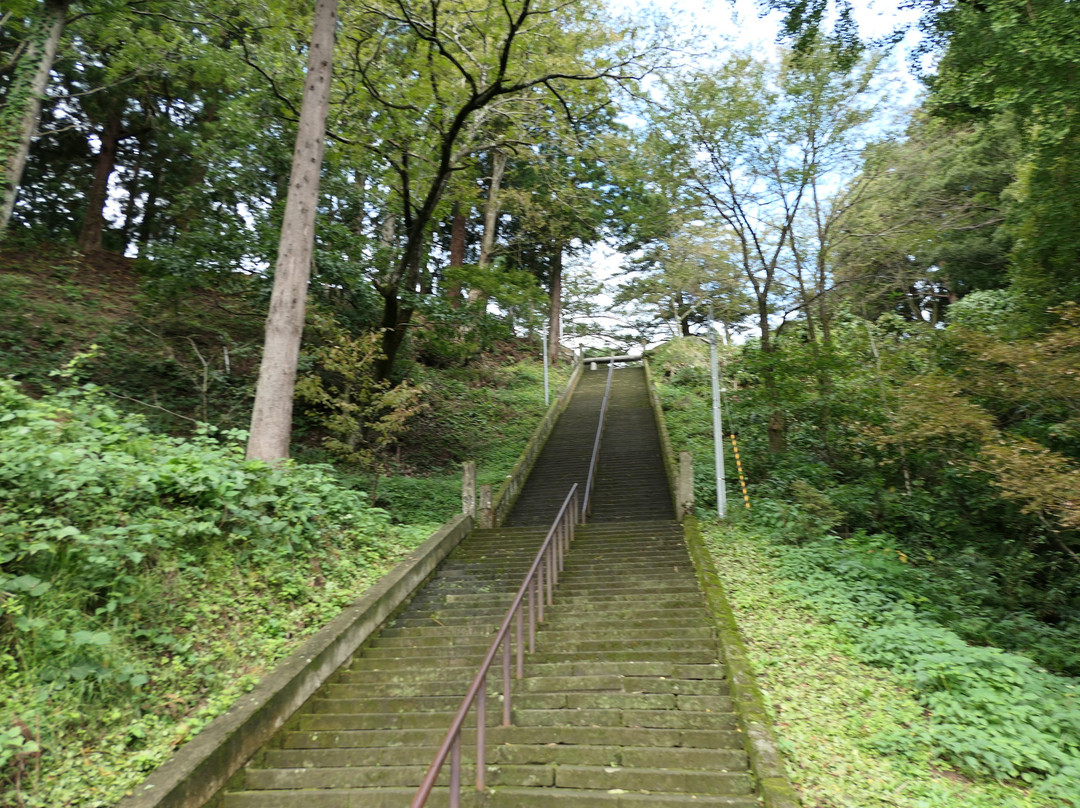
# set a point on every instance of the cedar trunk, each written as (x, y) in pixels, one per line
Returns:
(94, 223)
(271, 418)
(491, 220)
(555, 327)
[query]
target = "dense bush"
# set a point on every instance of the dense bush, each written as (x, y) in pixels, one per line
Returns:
(147, 580)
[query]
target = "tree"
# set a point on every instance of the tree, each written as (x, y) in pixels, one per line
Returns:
(467, 65)
(684, 278)
(22, 102)
(753, 142)
(928, 226)
(271, 417)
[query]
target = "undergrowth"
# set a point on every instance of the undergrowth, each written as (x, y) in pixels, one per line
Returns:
(982, 712)
(486, 413)
(876, 708)
(147, 581)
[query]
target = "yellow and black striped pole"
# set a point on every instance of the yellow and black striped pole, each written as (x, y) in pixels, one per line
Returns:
(738, 464)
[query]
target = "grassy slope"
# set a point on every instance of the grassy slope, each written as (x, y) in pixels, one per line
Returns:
(829, 708)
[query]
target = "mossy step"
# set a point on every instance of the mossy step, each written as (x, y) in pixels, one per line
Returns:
(620, 736)
(334, 722)
(433, 617)
(689, 655)
(623, 613)
(516, 755)
(649, 780)
(384, 659)
(575, 798)
(620, 639)
(469, 647)
(572, 736)
(355, 702)
(350, 756)
(640, 756)
(637, 672)
(659, 586)
(367, 739)
(426, 627)
(555, 644)
(390, 797)
(645, 719)
(626, 684)
(673, 629)
(684, 634)
(351, 777)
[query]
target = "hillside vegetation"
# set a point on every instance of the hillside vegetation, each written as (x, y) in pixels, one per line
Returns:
(924, 532)
(149, 574)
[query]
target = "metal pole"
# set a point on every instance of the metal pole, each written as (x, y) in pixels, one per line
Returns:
(546, 394)
(718, 425)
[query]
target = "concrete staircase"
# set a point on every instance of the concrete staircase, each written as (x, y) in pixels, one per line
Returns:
(625, 701)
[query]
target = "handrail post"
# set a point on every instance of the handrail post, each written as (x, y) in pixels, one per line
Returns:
(506, 681)
(481, 737)
(455, 772)
(468, 488)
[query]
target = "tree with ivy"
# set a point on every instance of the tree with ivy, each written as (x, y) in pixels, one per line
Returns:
(22, 98)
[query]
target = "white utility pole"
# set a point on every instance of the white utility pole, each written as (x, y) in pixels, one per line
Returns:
(718, 425)
(547, 395)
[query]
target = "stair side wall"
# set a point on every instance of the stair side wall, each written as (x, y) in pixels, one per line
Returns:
(192, 776)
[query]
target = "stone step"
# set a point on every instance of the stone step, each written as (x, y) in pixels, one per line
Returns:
(575, 798)
(647, 626)
(352, 777)
(564, 776)
(440, 637)
(435, 618)
(516, 754)
(498, 798)
(623, 737)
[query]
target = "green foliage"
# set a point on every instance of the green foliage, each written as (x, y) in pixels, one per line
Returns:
(841, 721)
(365, 417)
(990, 712)
(148, 580)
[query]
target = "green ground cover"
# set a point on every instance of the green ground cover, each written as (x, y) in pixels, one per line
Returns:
(855, 735)
(148, 581)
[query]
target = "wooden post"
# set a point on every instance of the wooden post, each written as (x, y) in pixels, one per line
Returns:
(686, 484)
(486, 515)
(468, 488)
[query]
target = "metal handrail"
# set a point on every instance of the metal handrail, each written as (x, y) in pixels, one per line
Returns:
(586, 505)
(538, 586)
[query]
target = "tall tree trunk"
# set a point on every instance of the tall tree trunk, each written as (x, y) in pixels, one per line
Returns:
(555, 322)
(491, 219)
(682, 315)
(149, 212)
(457, 252)
(127, 230)
(768, 379)
(94, 223)
(22, 103)
(271, 418)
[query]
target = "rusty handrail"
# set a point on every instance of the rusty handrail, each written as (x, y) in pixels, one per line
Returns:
(586, 504)
(538, 586)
